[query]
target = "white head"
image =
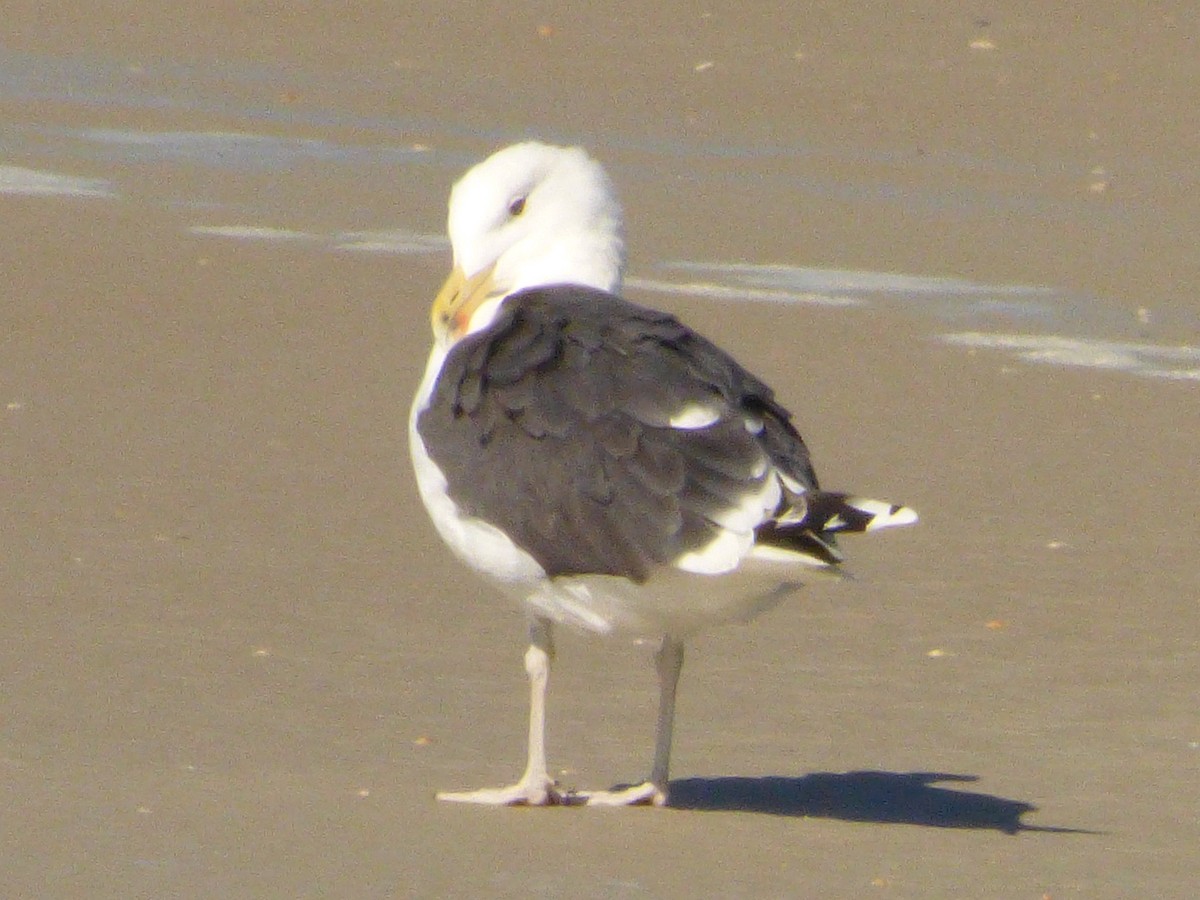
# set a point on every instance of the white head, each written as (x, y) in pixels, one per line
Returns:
(528, 215)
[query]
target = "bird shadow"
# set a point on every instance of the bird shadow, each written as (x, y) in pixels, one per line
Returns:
(908, 798)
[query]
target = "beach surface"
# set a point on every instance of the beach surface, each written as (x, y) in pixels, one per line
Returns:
(237, 661)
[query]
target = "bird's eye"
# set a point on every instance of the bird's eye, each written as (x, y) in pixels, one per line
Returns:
(516, 207)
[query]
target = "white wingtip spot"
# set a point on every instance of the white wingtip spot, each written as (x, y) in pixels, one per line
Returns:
(885, 515)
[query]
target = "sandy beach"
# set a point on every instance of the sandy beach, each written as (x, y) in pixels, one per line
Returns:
(237, 661)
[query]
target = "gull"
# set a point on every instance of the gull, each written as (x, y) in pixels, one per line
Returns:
(605, 466)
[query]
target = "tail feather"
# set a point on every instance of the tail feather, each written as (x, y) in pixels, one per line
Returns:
(806, 529)
(834, 512)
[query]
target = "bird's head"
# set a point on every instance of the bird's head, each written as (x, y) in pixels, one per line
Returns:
(529, 215)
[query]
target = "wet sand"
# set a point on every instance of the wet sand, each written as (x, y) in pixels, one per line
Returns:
(236, 660)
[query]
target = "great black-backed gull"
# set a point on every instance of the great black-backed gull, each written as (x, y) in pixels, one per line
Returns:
(600, 461)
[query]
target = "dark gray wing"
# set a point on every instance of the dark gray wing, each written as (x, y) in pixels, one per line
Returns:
(553, 424)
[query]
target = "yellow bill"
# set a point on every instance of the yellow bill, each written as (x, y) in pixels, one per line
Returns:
(458, 300)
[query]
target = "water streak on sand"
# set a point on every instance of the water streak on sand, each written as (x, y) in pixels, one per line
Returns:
(1038, 324)
(712, 290)
(33, 182)
(253, 233)
(398, 241)
(1180, 363)
(240, 150)
(945, 298)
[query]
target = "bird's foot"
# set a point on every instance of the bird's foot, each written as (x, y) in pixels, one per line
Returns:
(645, 794)
(526, 792)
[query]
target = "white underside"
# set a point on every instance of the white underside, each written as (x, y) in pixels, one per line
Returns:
(725, 582)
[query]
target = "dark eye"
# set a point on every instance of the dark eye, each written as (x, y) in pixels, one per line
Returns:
(516, 207)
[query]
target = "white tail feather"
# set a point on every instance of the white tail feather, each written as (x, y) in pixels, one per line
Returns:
(884, 515)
